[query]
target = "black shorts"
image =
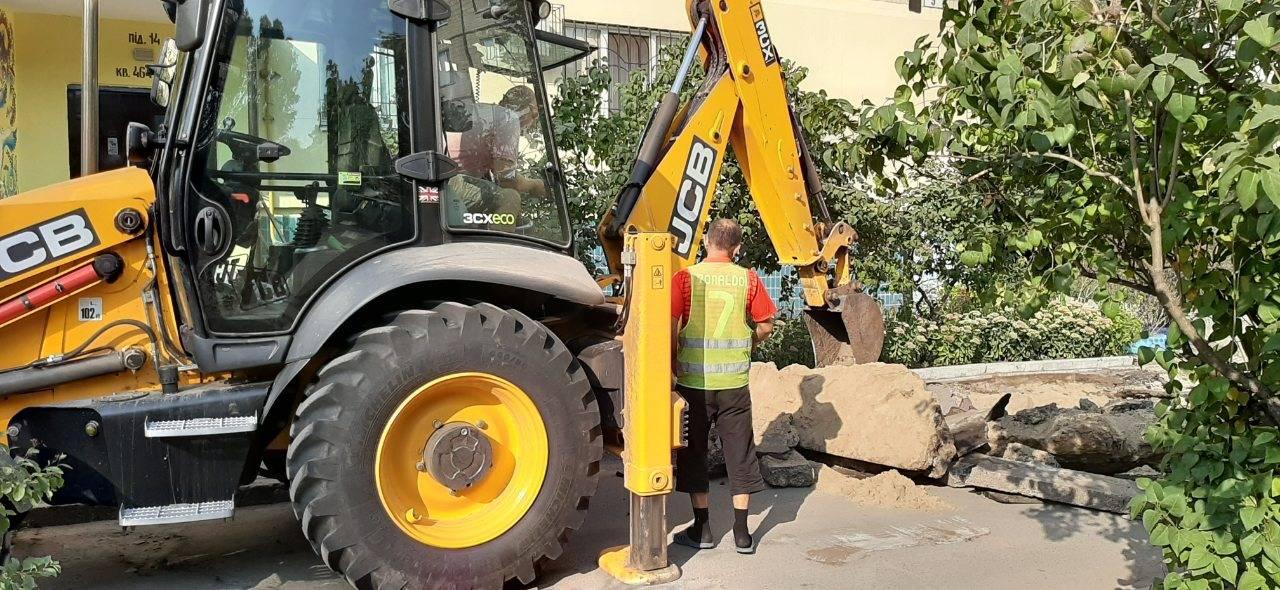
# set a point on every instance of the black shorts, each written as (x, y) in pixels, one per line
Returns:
(730, 410)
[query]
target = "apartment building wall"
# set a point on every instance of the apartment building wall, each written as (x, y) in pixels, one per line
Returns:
(849, 46)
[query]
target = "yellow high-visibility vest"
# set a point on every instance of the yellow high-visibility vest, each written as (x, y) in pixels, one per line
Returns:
(715, 345)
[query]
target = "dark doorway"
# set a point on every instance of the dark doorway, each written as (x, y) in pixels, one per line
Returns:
(117, 107)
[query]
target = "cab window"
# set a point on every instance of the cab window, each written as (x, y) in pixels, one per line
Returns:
(496, 124)
(307, 116)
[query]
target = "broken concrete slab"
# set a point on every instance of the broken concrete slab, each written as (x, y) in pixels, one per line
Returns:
(1110, 440)
(1026, 454)
(789, 471)
(1067, 486)
(969, 430)
(875, 413)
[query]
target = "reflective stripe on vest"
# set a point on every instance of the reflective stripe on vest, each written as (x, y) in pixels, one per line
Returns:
(715, 344)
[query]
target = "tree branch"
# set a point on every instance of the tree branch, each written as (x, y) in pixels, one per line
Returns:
(1094, 172)
(1136, 286)
(1173, 165)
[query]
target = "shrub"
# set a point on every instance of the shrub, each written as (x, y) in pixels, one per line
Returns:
(1063, 329)
(788, 345)
(25, 484)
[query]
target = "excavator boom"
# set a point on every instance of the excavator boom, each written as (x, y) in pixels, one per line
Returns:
(743, 106)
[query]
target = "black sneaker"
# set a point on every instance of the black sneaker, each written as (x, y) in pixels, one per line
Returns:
(745, 545)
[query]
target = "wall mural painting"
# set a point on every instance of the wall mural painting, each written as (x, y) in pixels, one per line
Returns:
(8, 111)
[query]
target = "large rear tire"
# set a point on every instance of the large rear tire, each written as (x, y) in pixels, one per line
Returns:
(383, 521)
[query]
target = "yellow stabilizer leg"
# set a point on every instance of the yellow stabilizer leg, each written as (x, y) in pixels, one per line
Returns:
(653, 415)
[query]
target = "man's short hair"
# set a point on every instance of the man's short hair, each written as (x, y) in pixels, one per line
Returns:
(724, 234)
(519, 99)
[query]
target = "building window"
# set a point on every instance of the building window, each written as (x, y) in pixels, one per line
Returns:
(626, 51)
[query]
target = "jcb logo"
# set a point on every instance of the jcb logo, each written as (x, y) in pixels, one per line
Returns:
(693, 195)
(489, 218)
(46, 242)
(762, 32)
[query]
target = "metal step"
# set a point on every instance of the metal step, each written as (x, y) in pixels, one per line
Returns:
(200, 426)
(174, 513)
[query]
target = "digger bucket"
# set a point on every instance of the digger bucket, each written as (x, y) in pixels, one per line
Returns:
(848, 332)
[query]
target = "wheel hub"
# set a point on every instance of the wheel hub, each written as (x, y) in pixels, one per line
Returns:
(458, 455)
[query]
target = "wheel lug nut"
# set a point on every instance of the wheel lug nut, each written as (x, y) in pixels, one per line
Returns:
(482, 425)
(421, 466)
(412, 516)
(437, 424)
(465, 432)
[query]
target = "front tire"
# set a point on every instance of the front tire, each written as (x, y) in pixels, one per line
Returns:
(384, 522)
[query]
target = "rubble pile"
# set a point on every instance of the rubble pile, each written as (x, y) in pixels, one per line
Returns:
(990, 434)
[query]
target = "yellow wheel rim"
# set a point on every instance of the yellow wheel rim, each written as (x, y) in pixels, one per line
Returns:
(429, 511)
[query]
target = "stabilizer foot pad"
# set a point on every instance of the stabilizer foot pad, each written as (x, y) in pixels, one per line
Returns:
(615, 562)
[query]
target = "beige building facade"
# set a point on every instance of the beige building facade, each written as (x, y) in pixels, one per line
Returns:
(848, 46)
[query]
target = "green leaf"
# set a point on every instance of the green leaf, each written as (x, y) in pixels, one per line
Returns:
(1080, 79)
(1164, 59)
(1251, 516)
(1251, 580)
(971, 258)
(1269, 312)
(1162, 85)
(1266, 114)
(1259, 29)
(1271, 186)
(1191, 69)
(1229, 7)
(1226, 567)
(1247, 188)
(1200, 558)
(1182, 106)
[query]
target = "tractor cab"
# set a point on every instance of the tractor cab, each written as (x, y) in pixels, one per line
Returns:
(302, 138)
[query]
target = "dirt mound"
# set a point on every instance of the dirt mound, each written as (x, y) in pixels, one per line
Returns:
(886, 490)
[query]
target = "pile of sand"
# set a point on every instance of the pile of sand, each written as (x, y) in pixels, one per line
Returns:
(886, 490)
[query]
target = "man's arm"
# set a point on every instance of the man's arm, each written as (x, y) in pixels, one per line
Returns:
(763, 330)
(761, 309)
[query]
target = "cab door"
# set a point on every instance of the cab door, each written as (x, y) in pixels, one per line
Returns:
(291, 171)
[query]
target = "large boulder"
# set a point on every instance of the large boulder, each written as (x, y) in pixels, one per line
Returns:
(875, 413)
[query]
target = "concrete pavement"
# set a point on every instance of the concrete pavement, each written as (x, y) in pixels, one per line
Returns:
(807, 540)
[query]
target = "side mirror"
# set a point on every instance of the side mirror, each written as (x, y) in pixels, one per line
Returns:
(190, 20)
(139, 144)
(162, 73)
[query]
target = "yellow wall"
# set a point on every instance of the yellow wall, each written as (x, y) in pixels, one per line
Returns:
(48, 49)
(848, 45)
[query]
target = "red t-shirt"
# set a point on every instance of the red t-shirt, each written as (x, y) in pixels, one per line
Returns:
(760, 306)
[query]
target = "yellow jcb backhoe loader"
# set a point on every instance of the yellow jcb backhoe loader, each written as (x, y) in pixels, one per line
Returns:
(345, 261)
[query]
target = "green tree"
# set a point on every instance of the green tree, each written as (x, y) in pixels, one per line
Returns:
(906, 236)
(1134, 142)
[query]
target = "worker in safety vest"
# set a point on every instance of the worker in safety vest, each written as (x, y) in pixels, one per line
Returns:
(721, 311)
